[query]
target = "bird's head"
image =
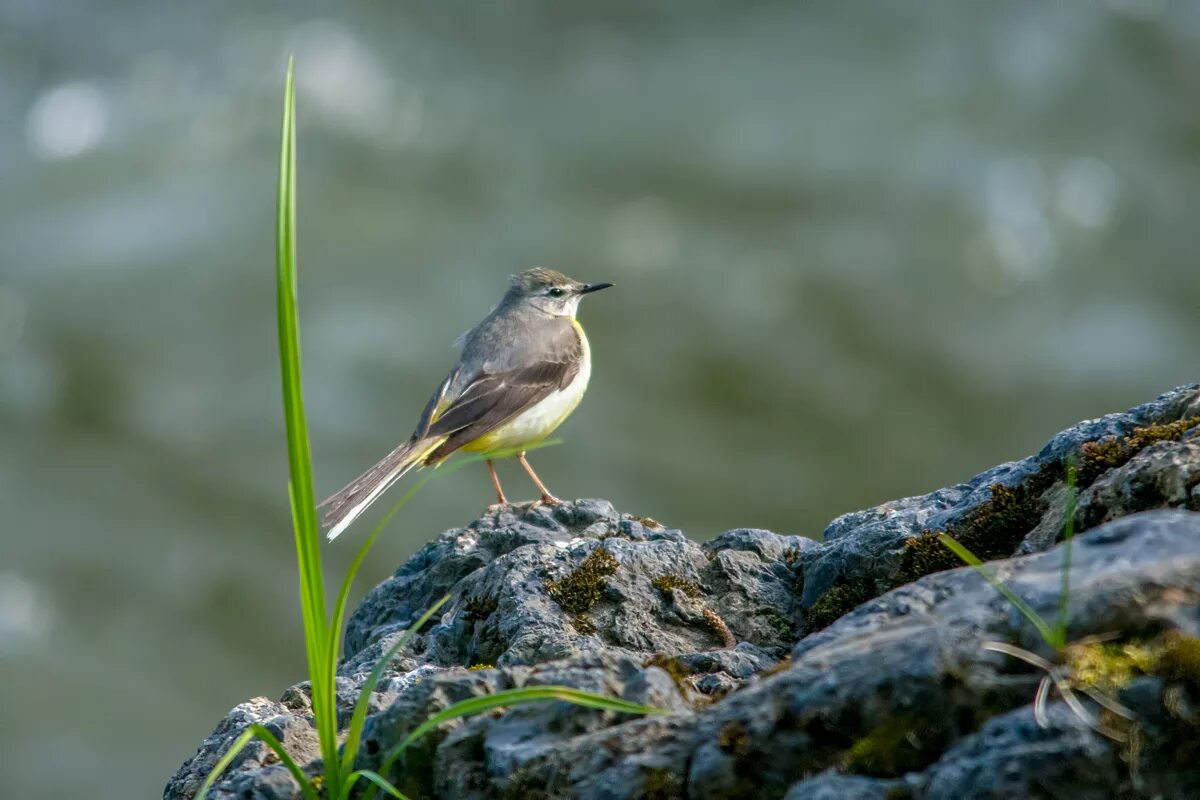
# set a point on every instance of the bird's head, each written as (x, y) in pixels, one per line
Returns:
(549, 291)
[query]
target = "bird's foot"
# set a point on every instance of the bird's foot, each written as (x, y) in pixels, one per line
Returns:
(546, 500)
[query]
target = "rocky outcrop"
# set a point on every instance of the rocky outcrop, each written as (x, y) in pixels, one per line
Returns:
(849, 668)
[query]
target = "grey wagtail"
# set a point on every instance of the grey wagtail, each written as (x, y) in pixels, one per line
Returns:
(521, 373)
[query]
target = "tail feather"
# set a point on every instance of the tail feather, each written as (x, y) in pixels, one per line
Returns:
(347, 505)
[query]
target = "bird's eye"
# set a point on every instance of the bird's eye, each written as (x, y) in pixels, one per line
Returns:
(556, 292)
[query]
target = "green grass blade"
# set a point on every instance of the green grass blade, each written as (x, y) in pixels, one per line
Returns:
(359, 716)
(1064, 593)
(513, 697)
(336, 632)
(258, 731)
(1026, 610)
(304, 515)
(375, 778)
(224, 762)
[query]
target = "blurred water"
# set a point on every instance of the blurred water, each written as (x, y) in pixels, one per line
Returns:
(861, 251)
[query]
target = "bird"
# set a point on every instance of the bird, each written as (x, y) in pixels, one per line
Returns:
(520, 374)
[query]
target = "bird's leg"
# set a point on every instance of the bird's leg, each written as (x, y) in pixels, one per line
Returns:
(500, 498)
(547, 498)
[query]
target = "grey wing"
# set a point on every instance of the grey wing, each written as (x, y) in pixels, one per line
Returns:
(494, 398)
(422, 429)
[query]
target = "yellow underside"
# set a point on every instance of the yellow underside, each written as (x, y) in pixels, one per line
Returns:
(535, 424)
(506, 438)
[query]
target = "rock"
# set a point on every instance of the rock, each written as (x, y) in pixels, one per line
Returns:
(1012, 756)
(891, 695)
(834, 786)
(867, 552)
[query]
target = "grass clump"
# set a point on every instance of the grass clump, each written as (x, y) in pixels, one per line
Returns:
(669, 583)
(323, 628)
(1097, 458)
(583, 624)
(583, 587)
(837, 601)
(480, 667)
(1102, 670)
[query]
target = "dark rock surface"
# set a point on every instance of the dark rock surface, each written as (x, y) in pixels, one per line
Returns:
(790, 667)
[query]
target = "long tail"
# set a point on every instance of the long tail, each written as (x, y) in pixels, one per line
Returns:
(344, 507)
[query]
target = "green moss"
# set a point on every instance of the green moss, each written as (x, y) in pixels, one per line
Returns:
(733, 738)
(778, 623)
(1180, 659)
(478, 667)
(1096, 458)
(898, 745)
(661, 784)
(668, 583)
(1109, 667)
(480, 608)
(583, 624)
(583, 588)
(992, 530)
(995, 528)
(791, 556)
(836, 602)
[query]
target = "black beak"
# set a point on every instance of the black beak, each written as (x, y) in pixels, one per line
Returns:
(594, 287)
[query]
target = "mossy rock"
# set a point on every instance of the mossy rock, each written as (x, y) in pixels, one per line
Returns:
(583, 587)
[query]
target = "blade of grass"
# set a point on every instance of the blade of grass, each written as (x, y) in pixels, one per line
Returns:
(254, 730)
(375, 778)
(303, 502)
(1043, 628)
(1064, 592)
(359, 716)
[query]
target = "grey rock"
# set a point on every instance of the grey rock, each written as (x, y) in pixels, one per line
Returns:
(1163, 475)
(896, 699)
(866, 546)
(253, 776)
(1011, 756)
(835, 786)
(767, 545)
